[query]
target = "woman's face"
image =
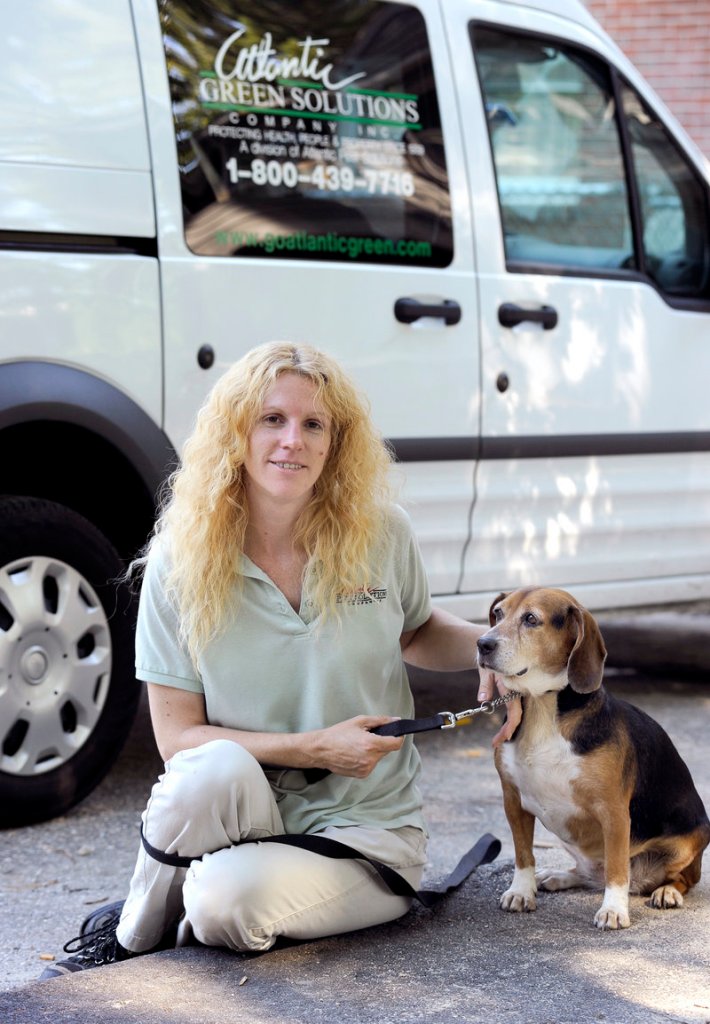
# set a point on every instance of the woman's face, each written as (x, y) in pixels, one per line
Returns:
(289, 443)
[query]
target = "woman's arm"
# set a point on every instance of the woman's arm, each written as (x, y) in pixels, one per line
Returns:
(444, 643)
(348, 748)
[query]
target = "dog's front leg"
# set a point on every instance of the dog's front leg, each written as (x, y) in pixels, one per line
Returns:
(616, 827)
(522, 892)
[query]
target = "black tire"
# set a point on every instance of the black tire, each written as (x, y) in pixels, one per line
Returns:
(68, 694)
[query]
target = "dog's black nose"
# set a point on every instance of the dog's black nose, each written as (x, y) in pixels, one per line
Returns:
(486, 645)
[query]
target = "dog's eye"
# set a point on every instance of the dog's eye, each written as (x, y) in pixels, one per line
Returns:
(530, 619)
(497, 614)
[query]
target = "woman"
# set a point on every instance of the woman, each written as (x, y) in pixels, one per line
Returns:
(283, 593)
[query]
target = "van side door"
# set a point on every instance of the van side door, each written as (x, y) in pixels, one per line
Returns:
(594, 271)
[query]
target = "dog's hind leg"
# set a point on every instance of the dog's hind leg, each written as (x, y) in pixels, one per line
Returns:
(586, 874)
(556, 881)
(683, 859)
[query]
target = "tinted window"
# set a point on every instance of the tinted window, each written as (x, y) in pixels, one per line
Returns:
(557, 152)
(307, 130)
(673, 203)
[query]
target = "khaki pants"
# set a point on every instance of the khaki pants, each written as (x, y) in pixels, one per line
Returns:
(245, 897)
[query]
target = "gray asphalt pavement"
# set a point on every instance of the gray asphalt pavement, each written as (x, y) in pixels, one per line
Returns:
(464, 961)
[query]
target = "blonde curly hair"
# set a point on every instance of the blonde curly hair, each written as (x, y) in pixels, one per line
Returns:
(205, 517)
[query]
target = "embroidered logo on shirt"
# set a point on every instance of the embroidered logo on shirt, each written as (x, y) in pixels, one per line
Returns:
(363, 596)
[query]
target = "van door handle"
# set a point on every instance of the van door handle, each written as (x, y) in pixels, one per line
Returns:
(409, 310)
(509, 315)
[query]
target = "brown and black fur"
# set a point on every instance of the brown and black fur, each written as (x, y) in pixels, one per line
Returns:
(597, 771)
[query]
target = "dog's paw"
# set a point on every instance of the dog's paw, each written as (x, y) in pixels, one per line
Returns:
(518, 902)
(555, 881)
(666, 897)
(611, 918)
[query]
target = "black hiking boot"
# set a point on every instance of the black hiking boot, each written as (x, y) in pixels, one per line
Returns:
(95, 945)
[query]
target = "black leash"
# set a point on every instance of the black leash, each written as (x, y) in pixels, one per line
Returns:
(408, 726)
(444, 719)
(483, 852)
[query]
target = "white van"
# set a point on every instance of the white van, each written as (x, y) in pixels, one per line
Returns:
(478, 206)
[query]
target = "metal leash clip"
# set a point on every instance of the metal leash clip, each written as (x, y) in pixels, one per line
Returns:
(486, 707)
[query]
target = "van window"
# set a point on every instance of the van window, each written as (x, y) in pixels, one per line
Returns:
(563, 183)
(557, 152)
(308, 132)
(675, 225)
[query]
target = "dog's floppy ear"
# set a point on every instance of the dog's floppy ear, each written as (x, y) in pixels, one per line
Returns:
(586, 662)
(491, 618)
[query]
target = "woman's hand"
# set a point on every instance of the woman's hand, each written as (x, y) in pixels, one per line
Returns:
(349, 748)
(514, 709)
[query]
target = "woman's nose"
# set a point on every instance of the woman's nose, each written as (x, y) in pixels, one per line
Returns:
(292, 436)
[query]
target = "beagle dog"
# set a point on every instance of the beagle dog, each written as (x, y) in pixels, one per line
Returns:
(598, 772)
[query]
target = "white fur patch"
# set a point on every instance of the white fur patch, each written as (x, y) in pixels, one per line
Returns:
(536, 682)
(521, 894)
(614, 911)
(543, 767)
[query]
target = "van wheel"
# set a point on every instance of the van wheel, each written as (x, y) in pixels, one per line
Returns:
(68, 695)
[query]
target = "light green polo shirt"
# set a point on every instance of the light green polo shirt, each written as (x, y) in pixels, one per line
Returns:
(275, 670)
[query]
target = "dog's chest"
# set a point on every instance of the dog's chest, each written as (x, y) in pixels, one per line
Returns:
(543, 767)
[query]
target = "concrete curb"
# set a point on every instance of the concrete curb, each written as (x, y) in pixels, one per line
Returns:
(658, 642)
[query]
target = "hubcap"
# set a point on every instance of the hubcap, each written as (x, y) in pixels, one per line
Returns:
(55, 664)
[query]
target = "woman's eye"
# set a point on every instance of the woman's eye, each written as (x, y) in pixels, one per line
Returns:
(314, 425)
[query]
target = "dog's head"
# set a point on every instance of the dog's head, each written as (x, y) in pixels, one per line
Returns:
(542, 639)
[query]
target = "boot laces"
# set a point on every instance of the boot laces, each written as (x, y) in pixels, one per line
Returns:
(98, 946)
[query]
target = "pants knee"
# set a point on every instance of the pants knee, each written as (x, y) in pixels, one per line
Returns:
(212, 765)
(201, 775)
(223, 896)
(205, 790)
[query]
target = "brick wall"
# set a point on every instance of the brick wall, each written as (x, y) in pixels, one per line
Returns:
(669, 42)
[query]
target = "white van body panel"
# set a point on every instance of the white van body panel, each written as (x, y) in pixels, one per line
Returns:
(688, 592)
(74, 161)
(73, 150)
(62, 308)
(71, 86)
(532, 10)
(595, 520)
(75, 200)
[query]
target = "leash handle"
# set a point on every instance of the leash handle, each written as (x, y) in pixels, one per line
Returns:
(406, 726)
(444, 719)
